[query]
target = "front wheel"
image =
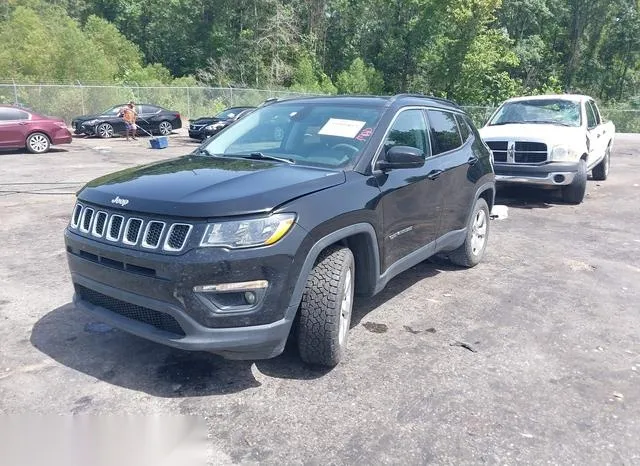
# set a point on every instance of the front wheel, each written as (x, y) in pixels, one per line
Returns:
(105, 131)
(38, 143)
(601, 171)
(575, 192)
(472, 250)
(165, 128)
(325, 310)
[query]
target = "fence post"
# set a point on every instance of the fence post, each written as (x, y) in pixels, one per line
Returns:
(230, 95)
(84, 112)
(188, 103)
(15, 91)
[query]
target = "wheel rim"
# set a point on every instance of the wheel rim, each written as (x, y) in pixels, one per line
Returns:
(38, 143)
(165, 128)
(345, 308)
(105, 131)
(479, 232)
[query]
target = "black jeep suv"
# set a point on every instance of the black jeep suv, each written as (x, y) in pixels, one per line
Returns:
(278, 220)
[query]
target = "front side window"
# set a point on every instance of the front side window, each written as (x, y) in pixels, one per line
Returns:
(315, 134)
(409, 129)
(594, 109)
(591, 116)
(444, 131)
(543, 111)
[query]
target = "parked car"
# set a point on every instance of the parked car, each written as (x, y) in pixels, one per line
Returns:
(278, 220)
(21, 128)
(205, 127)
(550, 141)
(151, 118)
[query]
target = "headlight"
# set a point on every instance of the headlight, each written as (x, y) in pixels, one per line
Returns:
(214, 126)
(562, 153)
(248, 233)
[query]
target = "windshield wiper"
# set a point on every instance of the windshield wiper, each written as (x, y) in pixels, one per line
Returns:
(262, 156)
(507, 123)
(203, 151)
(550, 122)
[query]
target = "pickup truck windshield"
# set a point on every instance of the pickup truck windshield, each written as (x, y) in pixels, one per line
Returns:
(322, 135)
(542, 111)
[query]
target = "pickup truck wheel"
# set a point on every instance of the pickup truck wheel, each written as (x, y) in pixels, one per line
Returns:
(472, 250)
(574, 193)
(325, 310)
(601, 171)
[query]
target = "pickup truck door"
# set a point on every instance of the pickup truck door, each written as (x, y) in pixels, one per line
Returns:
(595, 134)
(410, 198)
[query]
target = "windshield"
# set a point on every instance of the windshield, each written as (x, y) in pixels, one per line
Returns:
(113, 110)
(323, 135)
(551, 111)
(229, 113)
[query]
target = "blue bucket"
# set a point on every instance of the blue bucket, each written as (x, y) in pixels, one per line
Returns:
(160, 142)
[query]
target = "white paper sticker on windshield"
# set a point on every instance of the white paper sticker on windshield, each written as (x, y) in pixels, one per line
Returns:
(342, 128)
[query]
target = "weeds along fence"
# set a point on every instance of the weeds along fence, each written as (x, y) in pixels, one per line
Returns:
(69, 100)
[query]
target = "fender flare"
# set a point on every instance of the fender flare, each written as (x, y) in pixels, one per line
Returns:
(319, 246)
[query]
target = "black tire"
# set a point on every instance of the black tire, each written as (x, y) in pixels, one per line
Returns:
(575, 192)
(165, 128)
(104, 130)
(472, 250)
(38, 143)
(601, 171)
(322, 335)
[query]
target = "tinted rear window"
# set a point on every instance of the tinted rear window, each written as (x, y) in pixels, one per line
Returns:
(444, 132)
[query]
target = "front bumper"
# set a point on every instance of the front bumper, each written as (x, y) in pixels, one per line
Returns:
(166, 288)
(548, 174)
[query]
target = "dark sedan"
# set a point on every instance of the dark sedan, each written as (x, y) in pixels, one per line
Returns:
(151, 119)
(204, 127)
(20, 128)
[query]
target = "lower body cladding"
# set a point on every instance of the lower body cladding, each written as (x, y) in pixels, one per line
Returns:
(177, 300)
(548, 174)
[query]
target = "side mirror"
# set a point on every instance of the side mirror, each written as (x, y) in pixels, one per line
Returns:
(401, 157)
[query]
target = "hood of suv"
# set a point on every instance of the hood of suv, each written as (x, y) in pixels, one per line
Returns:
(201, 187)
(547, 133)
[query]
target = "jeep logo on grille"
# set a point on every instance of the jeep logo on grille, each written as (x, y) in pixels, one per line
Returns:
(118, 200)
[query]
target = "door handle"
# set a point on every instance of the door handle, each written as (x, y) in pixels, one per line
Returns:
(434, 174)
(472, 160)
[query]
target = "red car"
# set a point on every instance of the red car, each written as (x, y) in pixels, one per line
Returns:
(20, 128)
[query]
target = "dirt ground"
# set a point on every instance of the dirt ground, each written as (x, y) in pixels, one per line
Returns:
(531, 357)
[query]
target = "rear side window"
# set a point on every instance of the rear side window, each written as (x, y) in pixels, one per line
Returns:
(409, 129)
(12, 114)
(444, 132)
(465, 132)
(148, 109)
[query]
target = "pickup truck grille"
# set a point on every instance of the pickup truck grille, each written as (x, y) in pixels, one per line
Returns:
(518, 151)
(147, 234)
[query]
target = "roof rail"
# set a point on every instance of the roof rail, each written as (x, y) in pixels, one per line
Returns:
(423, 96)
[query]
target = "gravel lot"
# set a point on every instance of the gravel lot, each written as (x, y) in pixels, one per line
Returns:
(531, 357)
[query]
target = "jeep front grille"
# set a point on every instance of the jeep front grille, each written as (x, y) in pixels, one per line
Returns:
(149, 234)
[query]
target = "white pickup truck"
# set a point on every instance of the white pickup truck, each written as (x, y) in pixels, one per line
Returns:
(550, 141)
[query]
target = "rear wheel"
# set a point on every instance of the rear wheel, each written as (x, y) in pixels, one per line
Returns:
(601, 171)
(472, 250)
(105, 131)
(38, 143)
(325, 310)
(165, 128)
(575, 192)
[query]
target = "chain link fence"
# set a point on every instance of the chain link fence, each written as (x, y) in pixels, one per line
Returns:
(68, 101)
